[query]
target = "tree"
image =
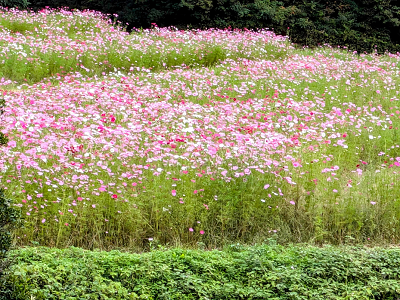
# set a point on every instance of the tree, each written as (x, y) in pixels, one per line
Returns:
(21, 4)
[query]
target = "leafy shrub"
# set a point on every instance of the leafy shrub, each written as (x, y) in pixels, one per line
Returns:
(8, 218)
(238, 272)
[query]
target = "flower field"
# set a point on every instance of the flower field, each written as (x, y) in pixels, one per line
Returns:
(189, 138)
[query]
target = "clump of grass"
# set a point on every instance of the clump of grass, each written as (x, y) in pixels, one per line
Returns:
(18, 26)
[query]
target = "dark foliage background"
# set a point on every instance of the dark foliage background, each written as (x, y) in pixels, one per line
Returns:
(361, 25)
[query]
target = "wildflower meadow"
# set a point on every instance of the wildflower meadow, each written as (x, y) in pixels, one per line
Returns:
(196, 138)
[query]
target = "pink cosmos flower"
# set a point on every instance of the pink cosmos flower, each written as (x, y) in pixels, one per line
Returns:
(12, 144)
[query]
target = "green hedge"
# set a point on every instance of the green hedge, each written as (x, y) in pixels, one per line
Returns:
(360, 24)
(259, 272)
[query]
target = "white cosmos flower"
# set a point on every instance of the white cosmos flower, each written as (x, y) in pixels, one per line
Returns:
(189, 129)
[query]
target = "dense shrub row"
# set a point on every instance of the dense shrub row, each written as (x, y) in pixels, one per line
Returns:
(260, 272)
(362, 25)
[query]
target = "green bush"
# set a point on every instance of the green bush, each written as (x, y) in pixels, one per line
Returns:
(8, 218)
(238, 272)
